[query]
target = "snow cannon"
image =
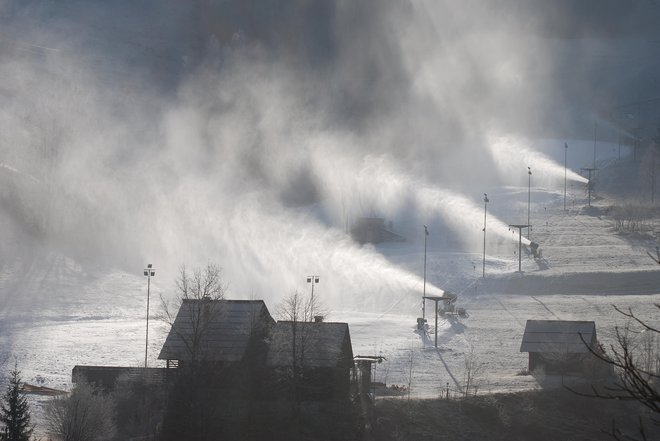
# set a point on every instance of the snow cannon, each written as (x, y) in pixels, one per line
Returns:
(448, 303)
(536, 251)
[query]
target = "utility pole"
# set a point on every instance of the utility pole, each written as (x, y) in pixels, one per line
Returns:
(149, 272)
(565, 164)
(519, 227)
(485, 205)
(529, 199)
(595, 131)
(435, 299)
(426, 234)
(589, 184)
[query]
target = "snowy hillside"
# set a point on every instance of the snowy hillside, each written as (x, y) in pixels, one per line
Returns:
(255, 134)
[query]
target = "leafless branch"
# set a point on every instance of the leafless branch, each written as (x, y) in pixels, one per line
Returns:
(637, 377)
(632, 316)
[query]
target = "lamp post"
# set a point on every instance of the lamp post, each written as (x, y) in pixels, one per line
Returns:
(565, 157)
(149, 272)
(529, 198)
(312, 280)
(485, 204)
(426, 234)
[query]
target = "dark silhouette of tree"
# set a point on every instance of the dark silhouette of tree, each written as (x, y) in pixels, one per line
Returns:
(193, 404)
(296, 309)
(636, 361)
(196, 292)
(15, 411)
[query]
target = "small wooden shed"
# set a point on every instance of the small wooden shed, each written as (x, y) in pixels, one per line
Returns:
(560, 346)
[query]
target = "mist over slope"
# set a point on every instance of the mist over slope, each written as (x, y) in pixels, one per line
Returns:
(252, 133)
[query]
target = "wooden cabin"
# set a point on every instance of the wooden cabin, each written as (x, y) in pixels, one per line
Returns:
(560, 346)
(241, 353)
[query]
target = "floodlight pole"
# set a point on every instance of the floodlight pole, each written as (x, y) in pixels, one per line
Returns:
(589, 184)
(565, 163)
(149, 272)
(426, 234)
(436, 324)
(519, 227)
(484, 261)
(529, 198)
(313, 280)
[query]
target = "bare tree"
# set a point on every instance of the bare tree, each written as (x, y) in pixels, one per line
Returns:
(298, 311)
(631, 218)
(296, 307)
(635, 360)
(197, 295)
(473, 369)
(637, 373)
(411, 365)
(84, 415)
(193, 404)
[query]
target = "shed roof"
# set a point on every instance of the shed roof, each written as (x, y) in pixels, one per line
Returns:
(321, 344)
(558, 336)
(224, 329)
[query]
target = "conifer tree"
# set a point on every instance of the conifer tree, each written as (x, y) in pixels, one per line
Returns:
(15, 411)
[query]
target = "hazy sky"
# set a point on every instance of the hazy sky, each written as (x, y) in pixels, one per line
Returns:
(251, 133)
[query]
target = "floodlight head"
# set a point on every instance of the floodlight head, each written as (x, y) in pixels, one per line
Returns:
(486, 198)
(153, 273)
(316, 280)
(146, 273)
(529, 170)
(149, 266)
(309, 280)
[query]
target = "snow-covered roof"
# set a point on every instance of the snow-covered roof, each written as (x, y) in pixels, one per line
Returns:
(320, 344)
(558, 336)
(224, 329)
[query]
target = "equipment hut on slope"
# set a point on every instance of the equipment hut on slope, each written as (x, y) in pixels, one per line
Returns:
(373, 230)
(323, 360)
(560, 346)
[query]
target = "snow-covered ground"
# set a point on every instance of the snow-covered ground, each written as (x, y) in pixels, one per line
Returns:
(97, 316)
(58, 309)
(58, 313)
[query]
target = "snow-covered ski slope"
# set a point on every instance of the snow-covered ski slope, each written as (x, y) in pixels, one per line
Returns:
(58, 313)
(129, 137)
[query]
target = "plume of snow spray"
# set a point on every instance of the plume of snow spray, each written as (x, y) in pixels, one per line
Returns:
(513, 155)
(281, 247)
(380, 181)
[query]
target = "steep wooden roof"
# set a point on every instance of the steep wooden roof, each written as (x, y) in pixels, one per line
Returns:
(321, 344)
(224, 328)
(558, 336)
